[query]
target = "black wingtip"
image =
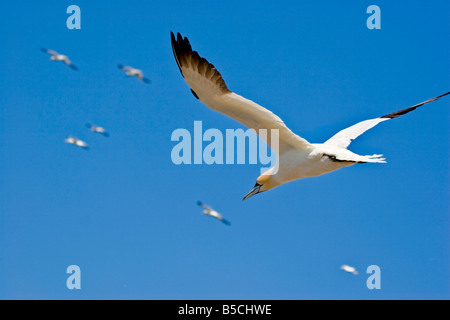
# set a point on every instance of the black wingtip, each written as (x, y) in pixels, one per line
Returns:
(180, 47)
(176, 48)
(186, 57)
(199, 203)
(405, 111)
(195, 95)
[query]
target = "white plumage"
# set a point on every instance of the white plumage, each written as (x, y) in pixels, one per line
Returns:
(98, 129)
(55, 56)
(77, 142)
(133, 72)
(349, 269)
(297, 158)
(212, 213)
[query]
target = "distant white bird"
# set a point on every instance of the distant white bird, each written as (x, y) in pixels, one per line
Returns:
(349, 269)
(77, 142)
(211, 212)
(297, 158)
(132, 72)
(55, 56)
(97, 129)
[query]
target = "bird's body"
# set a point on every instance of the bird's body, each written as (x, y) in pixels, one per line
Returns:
(55, 56)
(133, 72)
(349, 269)
(297, 158)
(304, 163)
(77, 142)
(207, 210)
(98, 129)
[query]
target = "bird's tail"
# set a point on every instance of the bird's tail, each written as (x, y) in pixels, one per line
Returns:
(375, 158)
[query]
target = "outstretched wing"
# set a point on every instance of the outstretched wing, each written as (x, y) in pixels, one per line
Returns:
(225, 221)
(207, 85)
(204, 206)
(71, 65)
(52, 52)
(122, 67)
(344, 137)
(146, 80)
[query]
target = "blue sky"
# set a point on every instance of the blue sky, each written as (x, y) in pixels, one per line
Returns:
(127, 216)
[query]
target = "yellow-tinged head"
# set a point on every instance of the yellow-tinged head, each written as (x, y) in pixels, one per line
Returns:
(265, 182)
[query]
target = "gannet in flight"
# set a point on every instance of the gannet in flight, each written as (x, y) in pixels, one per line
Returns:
(211, 212)
(349, 269)
(297, 158)
(77, 142)
(55, 56)
(97, 129)
(132, 72)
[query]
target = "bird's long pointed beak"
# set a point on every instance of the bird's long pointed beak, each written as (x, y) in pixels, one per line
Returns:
(252, 192)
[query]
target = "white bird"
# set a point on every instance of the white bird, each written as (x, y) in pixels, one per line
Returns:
(349, 269)
(132, 72)
(211, 212)
(55, 56)
(77, 142)
(297, 158)
(98, 129)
